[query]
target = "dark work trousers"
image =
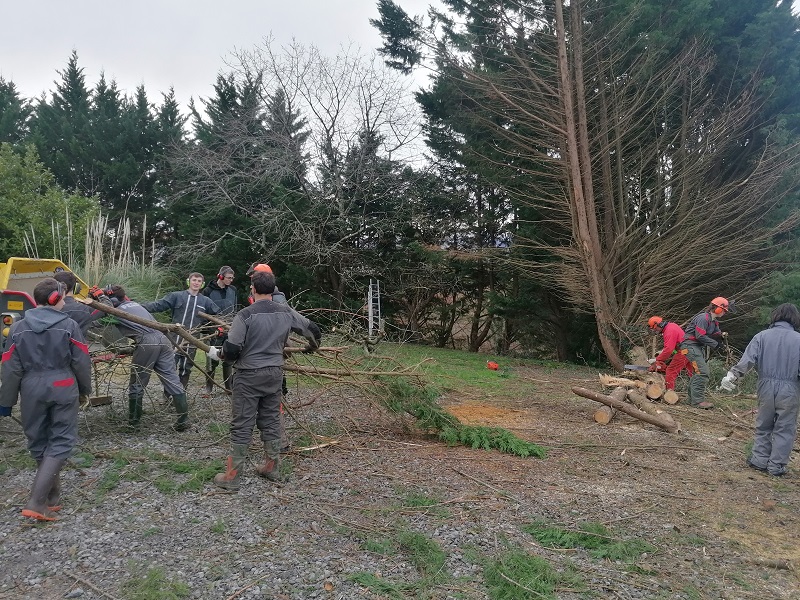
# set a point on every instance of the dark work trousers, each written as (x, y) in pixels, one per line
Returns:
(256, 401)
(154, 353)
(700, 374)
(50, 421)
(776, 424)
(183, 363)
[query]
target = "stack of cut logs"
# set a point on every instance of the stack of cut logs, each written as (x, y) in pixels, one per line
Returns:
(634, 395)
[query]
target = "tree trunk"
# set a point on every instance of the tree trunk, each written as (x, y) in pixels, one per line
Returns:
(579, 172)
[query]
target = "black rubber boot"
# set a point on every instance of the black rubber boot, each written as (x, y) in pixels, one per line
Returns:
(46, 475)
(227, 371)
(231, 479)
(184, 381)
(134, 410)
(211, 367)
(182, 408)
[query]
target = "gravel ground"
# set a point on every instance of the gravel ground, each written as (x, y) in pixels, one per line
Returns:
(135, 517)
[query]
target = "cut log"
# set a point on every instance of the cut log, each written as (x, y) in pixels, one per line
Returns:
(611, 381)
(671, 397)
(643, 404)
(605, 414)
(654, 391)
(670, 425)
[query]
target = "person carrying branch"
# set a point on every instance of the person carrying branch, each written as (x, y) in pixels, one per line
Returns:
(702, 332)
(184, 306)
(775, 354)
(255, 346)
(223, 293)
(46, 364)
(84, 316)
(670, 360)
(153, 352)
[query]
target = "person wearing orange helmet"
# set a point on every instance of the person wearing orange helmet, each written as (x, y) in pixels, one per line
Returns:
(702, 332)
(673, 336)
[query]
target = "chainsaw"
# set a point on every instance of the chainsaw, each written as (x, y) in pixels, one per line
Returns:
(636, 368)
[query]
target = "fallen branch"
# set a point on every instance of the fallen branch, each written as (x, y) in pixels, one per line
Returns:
(175, 328)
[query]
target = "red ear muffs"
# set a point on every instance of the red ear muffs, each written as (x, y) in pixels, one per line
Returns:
(718, 310)
(220, 277)
(56, 295)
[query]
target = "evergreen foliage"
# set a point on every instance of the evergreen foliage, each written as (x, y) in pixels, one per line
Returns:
(421, 404)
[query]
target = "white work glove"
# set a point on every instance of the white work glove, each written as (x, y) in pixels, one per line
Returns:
(213, 353)
(728, 382)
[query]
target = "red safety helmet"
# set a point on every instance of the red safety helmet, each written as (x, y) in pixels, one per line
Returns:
(721, 305)
(655, 322)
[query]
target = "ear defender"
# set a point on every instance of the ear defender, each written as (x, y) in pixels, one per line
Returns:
(56, 295)
(77, 289)
(718, 310)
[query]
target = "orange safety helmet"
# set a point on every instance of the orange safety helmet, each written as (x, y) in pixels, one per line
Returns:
(655, 322)
(259, 268)
(721, 305)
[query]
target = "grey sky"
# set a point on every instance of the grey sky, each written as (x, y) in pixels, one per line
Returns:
(163, 43)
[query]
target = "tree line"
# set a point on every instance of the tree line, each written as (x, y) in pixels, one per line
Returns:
(585, 166)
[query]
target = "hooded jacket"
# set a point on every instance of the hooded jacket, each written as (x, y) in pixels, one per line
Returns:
(46, 355)
(225, 298)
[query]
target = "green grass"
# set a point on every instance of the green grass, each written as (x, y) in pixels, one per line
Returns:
(593, 537)
(154, 585)
(218, 526)
(517, 575)
(424, 553)
(378, 585)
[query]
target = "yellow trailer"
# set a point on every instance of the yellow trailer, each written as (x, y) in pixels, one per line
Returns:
(18, 277)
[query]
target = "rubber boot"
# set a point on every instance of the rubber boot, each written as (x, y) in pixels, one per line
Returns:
(182, 408)
(211, 367)
(54, 497)
(134, 410)
(184, 381)
(227, 371)
(46, 475)
(231, 479)
(272, 461)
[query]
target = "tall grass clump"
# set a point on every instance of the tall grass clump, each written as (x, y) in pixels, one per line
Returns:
(111, 259)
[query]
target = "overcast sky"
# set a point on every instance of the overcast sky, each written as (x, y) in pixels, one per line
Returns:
(168, 43)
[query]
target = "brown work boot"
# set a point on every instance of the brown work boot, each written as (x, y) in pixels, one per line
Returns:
(703, 405)
(272, 461)
(231, 479)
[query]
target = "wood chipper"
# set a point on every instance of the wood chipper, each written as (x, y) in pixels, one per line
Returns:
(18, 277)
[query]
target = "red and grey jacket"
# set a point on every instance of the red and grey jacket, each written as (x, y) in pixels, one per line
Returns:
(45, 355)
(673, 335)
(700, 330)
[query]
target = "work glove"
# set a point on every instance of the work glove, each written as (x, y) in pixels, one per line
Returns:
(658, 367)
(95, 293)
(310, 349)
(5, 411)
(728, 382)
(213, 353)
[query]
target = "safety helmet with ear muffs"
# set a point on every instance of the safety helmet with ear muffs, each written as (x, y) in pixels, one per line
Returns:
(57, 294)
(720, 305)
(655, 322)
